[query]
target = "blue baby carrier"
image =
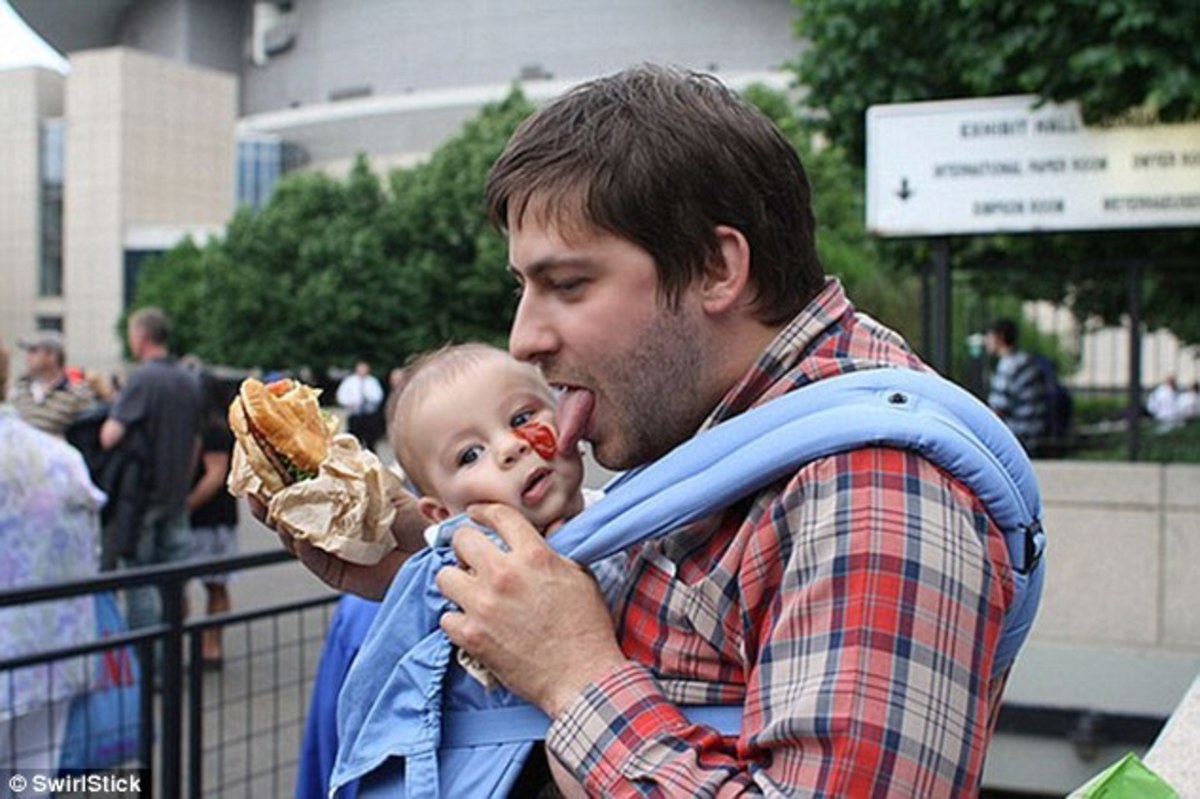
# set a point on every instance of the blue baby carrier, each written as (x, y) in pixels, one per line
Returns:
(413, 723)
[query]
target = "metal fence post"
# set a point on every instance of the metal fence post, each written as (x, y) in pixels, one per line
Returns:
(172, 688)
(195, 716)
(1134, 410)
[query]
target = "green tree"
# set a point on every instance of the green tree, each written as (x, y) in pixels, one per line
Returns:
(330, 271)
(847, 250)
(1123, 60)
(1116, 57)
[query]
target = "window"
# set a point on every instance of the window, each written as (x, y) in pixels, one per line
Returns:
(50, 276)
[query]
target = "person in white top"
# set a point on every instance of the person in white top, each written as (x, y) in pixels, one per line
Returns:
(362, 395)
(1163, 405)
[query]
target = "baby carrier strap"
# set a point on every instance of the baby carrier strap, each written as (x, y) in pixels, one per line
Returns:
(915, 411)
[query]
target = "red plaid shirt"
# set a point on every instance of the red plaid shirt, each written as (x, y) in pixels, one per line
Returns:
(853, 610)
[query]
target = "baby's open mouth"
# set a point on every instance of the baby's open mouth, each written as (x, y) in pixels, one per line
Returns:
(536, 485)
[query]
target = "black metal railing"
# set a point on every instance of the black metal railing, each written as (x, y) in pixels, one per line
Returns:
(235, 731)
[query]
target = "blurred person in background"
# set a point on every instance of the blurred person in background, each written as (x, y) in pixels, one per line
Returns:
(214, 514)
(49, 532)
(157, 411)
(45, 396)
(1018, 387)
(362, 397)
(1167, 405)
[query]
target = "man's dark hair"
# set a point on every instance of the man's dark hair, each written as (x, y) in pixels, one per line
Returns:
(1006, 331)
(661, 157)
(154, 322)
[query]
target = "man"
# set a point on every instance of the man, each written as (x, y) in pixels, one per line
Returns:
(158, 411)
(361, 395)
(662, 235)
(1018, 386)
(45, 397)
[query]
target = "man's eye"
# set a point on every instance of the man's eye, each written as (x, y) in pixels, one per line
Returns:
(469, 455)
(521, 419)
(567, 285)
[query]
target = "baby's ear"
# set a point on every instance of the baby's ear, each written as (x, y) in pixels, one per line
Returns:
(433, 510)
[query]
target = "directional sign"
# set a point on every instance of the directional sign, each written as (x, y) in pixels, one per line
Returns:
(1006, 164)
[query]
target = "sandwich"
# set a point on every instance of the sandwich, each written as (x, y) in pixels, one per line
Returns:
(281, 430)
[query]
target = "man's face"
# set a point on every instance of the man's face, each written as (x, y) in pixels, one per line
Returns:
(135, 337)
(41, 362)
(478, 439)
(591, 317)
(991, 342)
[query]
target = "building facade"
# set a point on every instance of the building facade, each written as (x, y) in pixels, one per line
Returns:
(121, 157)
(173, 112)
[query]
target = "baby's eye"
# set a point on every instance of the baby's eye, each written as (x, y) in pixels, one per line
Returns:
(521, 419)
(469, 455)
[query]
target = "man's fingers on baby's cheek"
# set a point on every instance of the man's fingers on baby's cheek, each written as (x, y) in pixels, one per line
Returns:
(472, 548)
(508, 523)
(485, 513)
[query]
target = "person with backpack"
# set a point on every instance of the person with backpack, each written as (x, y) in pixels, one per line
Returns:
(1018, 386)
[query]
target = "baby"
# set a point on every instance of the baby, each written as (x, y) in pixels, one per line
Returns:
(473, 424)
(469, 424)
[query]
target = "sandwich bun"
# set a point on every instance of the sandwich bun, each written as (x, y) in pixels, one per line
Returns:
(281, 429)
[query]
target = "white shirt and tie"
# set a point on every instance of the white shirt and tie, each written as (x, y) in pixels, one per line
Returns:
(360, 394)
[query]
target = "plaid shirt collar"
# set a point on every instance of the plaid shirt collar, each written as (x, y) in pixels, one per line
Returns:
(778, 370)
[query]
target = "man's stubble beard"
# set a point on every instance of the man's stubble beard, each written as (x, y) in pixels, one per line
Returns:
(652, 396)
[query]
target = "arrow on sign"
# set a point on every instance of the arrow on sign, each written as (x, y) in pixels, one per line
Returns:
(905, 192)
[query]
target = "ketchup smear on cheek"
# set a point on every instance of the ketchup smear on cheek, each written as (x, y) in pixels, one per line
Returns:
(540, 436)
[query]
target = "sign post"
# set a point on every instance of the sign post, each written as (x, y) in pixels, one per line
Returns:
(1008, 165)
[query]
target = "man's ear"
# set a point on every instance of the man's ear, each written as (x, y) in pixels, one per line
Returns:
(433, 510)
(727, 275)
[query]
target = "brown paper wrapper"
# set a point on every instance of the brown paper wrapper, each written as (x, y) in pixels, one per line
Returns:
(345, 510)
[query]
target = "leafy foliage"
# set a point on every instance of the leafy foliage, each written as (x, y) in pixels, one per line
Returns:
(330, 271)
(1119, 58)
(1123, 60)
(847, 250)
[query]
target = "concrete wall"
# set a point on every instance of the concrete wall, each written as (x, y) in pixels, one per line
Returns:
(1124, 544)
(1119, 626)
(203, 33)
(149, 147)
(387, 48)
(27, 96)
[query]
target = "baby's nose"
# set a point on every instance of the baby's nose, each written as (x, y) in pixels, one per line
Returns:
(513, 448)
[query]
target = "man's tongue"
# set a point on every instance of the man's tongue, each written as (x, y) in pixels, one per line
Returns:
(574, 408)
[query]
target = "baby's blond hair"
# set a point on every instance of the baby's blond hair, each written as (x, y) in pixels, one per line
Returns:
(422, 375)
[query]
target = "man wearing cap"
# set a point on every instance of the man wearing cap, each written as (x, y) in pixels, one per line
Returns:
(45, 397)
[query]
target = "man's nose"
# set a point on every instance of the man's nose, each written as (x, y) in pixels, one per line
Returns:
(532, 338)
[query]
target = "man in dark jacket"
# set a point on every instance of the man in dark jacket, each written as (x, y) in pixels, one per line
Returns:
(162, 402)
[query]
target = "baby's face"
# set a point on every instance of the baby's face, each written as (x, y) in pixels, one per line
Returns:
(490, 436)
